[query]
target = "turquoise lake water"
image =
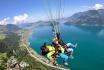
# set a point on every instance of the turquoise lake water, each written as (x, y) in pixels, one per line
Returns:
(89, 55)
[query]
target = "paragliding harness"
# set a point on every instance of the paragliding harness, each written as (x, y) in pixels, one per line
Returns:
(61, 42)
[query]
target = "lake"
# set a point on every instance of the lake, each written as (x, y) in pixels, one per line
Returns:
(89, 55)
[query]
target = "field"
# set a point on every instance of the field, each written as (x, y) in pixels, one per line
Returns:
(2, 36)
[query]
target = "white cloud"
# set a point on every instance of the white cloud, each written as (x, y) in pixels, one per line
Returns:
(96, 6)
(5, 21)
(99, 6)
(20, 19)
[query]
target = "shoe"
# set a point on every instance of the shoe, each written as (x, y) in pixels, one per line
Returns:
(75, 45)
(71, 56)
(65, 63)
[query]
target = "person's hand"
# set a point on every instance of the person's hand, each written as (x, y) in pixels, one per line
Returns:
(57, 56)
(59, 45)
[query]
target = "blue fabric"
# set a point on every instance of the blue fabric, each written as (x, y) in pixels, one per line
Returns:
(63, 56)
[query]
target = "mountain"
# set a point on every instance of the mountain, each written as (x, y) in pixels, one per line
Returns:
(12, 28)
(35, 24)
(23, 25)
(9, 28)
(90, 17)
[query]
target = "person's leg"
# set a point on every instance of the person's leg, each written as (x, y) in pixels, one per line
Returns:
(71, 45)
(64, 57)
(65, 60)
(70, 52)
(49, 56)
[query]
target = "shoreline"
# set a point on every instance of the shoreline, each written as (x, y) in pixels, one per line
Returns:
(25, 41)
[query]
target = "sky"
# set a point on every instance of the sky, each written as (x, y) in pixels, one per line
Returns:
(24, 11)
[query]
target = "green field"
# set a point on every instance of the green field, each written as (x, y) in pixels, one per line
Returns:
(2, 36)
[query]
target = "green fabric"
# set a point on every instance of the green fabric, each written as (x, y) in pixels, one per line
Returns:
(51, 51)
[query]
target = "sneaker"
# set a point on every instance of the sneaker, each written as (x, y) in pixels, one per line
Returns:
(65, 63)
(75, 45)
(71, 56)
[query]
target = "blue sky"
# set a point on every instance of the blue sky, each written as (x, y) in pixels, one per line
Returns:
(38, 8)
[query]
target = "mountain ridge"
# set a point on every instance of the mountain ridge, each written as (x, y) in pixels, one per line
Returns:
(90, 17)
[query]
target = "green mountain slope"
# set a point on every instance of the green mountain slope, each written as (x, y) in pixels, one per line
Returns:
(90, 17)
(13, 54)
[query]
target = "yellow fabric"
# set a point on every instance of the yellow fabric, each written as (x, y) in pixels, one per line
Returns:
(51, 48)
(51, 51)
(62, 49)
(50, 54)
